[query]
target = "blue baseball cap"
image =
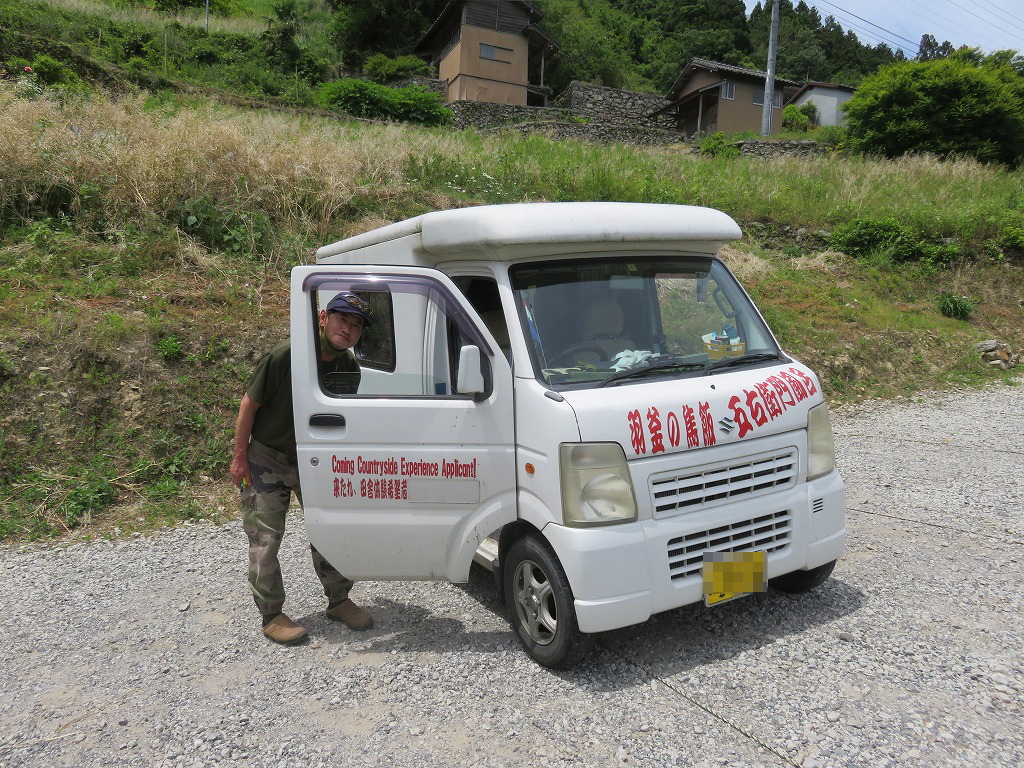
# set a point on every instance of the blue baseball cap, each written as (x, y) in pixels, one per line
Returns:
(352, 304)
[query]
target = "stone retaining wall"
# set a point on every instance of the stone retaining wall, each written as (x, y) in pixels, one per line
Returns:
(581, 111)
(599, 114)
(596, 132)
(789, 148)
(613, 106)
(482, 115)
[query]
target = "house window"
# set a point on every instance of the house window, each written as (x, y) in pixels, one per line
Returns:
(495, 53)
(759, 98)
(728, 90)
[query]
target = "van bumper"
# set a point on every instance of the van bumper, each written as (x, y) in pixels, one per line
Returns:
(622, 575)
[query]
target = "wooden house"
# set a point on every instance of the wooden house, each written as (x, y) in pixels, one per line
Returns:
(487, 50)
(710, 97)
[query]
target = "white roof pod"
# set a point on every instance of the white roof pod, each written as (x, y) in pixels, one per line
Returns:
(524, 230)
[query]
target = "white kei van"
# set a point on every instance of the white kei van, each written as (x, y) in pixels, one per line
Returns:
(580, 396)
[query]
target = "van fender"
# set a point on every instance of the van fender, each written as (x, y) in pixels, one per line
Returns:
(496, 513)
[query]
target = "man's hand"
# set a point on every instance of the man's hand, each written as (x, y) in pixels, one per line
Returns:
(240, 470)
(243, 430)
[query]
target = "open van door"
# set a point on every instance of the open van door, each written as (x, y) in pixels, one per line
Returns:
(404, 478)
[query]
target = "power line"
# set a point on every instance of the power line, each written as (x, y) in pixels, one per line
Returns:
(887, 31)
(872, 36)
(929, 11)
(967, 25)
(992, 24)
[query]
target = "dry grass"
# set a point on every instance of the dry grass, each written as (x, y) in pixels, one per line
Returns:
(316, 175)
(248, 26)
(299, 172)
(744, 264)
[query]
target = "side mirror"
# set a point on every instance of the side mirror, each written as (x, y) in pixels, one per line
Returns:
(470, 379)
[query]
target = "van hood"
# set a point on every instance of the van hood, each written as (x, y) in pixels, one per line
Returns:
(683, 414)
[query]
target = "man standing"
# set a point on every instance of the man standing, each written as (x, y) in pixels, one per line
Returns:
(265, 467)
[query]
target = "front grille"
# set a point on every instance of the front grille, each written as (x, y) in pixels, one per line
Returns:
(767, 533)
(695, 488)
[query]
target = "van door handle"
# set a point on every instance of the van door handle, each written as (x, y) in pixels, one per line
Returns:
(327, 420)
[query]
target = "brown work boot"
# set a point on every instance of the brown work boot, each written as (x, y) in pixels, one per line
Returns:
(350, 613)
(283, 630)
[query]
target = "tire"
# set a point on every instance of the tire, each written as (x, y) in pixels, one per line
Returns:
(540, 604)
(803, 581)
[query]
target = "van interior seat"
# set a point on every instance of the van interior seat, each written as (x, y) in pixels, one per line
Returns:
(603, 324)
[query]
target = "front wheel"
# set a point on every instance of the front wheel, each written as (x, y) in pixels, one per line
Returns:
(803, 581)
(540, 604)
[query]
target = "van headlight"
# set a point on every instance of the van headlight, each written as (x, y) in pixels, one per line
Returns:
(821, 444)
(596, 486)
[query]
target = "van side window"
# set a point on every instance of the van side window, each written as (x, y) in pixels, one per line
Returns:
(482, 293)
(411, 346)
(376, 347)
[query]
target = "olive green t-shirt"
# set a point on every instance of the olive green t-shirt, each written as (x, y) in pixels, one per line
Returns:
(271, 386)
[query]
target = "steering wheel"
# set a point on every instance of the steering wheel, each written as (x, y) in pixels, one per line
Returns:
(564, 358)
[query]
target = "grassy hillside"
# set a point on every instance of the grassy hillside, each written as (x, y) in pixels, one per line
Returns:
(145, 245)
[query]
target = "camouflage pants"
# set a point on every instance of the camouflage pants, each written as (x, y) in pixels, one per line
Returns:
(264, 510)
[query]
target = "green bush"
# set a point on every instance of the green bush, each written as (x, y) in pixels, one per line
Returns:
(862, 237)
(831, 136)
(940, 255)
(381, 68)
(377, 102)
(224, 230)
(53, 72)
(794, 119)
(1012, 239)
(810, 110)
(169, 348)
(956, 307)
(91, 494)
(718, 145)
(945, 107)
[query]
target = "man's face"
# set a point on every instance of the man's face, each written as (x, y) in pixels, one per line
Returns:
(342, 329)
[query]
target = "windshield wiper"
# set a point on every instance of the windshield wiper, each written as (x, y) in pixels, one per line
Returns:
(652, 368)
(666, 366)
(744, 360)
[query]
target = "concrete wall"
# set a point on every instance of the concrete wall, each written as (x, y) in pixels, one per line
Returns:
(829, 102)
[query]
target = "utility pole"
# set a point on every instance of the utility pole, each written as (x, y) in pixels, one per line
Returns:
(769, 83)
(207, 16)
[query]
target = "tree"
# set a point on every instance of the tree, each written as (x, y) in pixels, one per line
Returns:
(930, 50)
(598, 44)
(279, 41)
(679, 31)
(814, 49)
(945, 106)
(360, 28)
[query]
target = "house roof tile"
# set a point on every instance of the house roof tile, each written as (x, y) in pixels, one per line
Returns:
(695, 64)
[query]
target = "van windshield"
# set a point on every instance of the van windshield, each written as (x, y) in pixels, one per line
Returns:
(611, 321)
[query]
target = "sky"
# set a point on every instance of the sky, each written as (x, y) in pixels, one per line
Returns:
(991, 25)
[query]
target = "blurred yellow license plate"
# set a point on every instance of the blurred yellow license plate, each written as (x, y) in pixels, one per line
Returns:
(728, 575)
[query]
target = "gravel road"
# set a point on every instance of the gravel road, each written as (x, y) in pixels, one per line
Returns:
(146, 652)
